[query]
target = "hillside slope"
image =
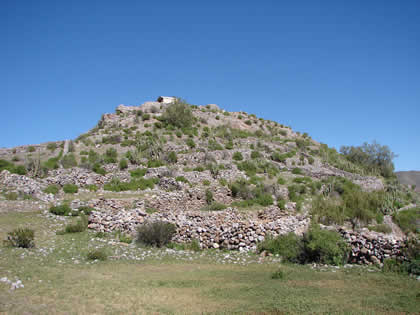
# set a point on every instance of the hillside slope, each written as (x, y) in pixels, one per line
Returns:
(226, 179)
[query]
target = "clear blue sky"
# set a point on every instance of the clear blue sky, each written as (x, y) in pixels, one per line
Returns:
(343, 71)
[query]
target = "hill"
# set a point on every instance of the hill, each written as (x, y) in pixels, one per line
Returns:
(226, 179)
(409, 178)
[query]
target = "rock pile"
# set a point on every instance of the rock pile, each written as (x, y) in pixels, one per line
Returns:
(214, 229)
(25, 185)
(372, 248)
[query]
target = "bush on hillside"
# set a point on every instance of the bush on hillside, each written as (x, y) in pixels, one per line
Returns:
(70, 188)
(408, 220)
(21, 237)
(326, 247)
(155, 234)
(62, 209)
(288, 246)
(52, 189)
(178, 114)
(68, 161)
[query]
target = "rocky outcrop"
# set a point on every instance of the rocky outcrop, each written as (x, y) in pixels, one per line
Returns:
(372, 248)
(25, 185)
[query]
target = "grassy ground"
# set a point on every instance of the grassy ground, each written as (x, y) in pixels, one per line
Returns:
(59, 279)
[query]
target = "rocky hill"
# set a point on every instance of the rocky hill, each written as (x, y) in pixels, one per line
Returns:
(411, 178)
(226, 179)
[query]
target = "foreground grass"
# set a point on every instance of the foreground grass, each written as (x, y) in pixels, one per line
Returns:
(59, 279)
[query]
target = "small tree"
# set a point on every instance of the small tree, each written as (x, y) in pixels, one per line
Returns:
(178, 114)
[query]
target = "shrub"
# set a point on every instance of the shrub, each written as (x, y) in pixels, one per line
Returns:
(86, 209)
(31, 149)
(70, 188)
(145, 117)
(229, 145)
(110, 156)
(181, 179)
(68, 161)
(264, 200)
(215, 206)
(281, 203)
(255, 155)
(326, 247)
(155, 163)
(123, 164)
(281, 181)
(408, 220)
(62, 209)
(190, 142)
(79, 226)
(139, 172)
(172, 157)
(279, 274)
(209, 196)
(288, 246)
(178, 114)
(52, 189)
(92, 187)
(206, 182)
(155, 234)
(98, 169)
(237, 156)
(297, 171)
(97, 254)
(21, 237)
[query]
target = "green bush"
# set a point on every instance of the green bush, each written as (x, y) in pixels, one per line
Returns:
(92, 187)
(52, 189)
(155, 234)
(70, 188)
(21, 237)
(139, 172)
(145, 117)
(98, 169)
(279, 274)
(209, 196)
(111, 156)
(281, 181)
(181, 179)
(172, 157)
(68, 161)
(80, 226)
(97, 254)
(206, 182)
(123, 164)
(297, 171)
(326, 247)
(31, 149)
(178, 114)
(86, 210)
(255, 155)
(288, 246)
(237, 156)
(62, 209)
(281, 203)
(408, 220)
(155, 163)
(190, 142)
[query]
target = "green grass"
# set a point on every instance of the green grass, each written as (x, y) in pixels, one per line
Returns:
(64, 281)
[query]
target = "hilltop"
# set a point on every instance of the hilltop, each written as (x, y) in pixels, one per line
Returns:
(411, 178)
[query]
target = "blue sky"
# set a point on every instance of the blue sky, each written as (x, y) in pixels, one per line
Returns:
(346, 72)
